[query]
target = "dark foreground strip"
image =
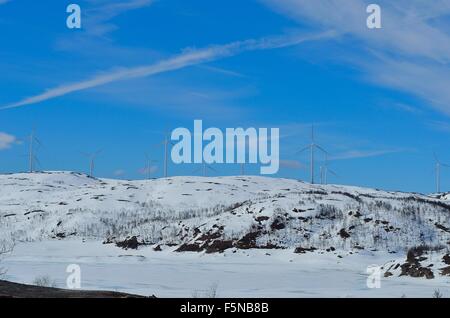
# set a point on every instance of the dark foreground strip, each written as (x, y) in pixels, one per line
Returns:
(14, 290)
(17, 297)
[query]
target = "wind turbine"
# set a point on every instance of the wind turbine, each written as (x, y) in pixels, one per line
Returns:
(205, 168)
(242, 169)
(324, 171)
(31, 150)
(438, 166)
(312, 148)
(149, 165)
(166, 143)
(92, 157)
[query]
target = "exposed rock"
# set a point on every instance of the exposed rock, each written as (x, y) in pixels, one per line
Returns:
(129, 243)
(303, 250)
(194, 247)
(219, 246)
(278, 224)
(344, 234)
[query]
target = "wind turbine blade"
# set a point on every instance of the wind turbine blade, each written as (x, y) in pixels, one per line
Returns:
(197, 170)
(436, 157)
(37, 161)
(211, 168)
(333, 173)
(98, 152)
(38, 142)
(303, 149)
(320, 148)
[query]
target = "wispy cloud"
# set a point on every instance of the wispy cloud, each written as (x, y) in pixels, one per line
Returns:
(188, 58)
(4, 1)
(95, 40)
(406, 108)
(119, 173)
(410, 53)
(440, 126)
(148, 170)
(292, 164)
(6, 141)
(355, 154)
(222, 71)
(97, 18)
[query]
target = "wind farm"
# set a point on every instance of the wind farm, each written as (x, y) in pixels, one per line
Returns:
(316, 156)
(180, 149)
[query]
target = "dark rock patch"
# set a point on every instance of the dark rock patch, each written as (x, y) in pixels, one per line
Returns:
(344, 234)
(194, 247)
(445, 271)
(303, 250)
(278, 224)
(261, 218)
(442, 227)
(446, 259)
(130, 243)
(248, 241)
(219, 246)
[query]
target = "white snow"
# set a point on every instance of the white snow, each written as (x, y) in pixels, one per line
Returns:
(37, 210)
(242, 274)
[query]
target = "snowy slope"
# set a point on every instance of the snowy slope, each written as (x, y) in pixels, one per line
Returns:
(213, 214)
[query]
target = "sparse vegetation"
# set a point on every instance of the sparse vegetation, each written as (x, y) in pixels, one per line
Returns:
(44, 281)
(210, 292)
(437, 294)
(286, 217)
(5, 248)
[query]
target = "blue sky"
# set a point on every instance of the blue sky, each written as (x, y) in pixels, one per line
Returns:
(379, 98)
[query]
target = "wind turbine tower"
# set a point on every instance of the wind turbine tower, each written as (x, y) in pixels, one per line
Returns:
(438, 167)
(167, 143)
(324, 171)
(92, 157)
(149, 166)
(312, 147)
(31, 151)
(204, 168)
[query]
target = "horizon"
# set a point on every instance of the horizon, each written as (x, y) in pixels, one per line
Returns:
(138, 69)
(212, 177)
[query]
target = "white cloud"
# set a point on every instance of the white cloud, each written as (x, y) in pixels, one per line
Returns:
(440, 126)
(188, 58)
(6, 141)
(148, 170)
(410, 53)
(354, 154)
(292, 164)
(119, 172)
(97, 19)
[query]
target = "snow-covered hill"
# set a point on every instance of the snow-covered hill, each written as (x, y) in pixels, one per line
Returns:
(214, 214)
(252, 235)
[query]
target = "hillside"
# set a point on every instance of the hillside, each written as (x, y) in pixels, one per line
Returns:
(213, 214)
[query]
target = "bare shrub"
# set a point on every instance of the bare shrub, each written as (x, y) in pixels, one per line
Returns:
(437, 294)
(44, 281)
(210, 292)
(4, 249)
